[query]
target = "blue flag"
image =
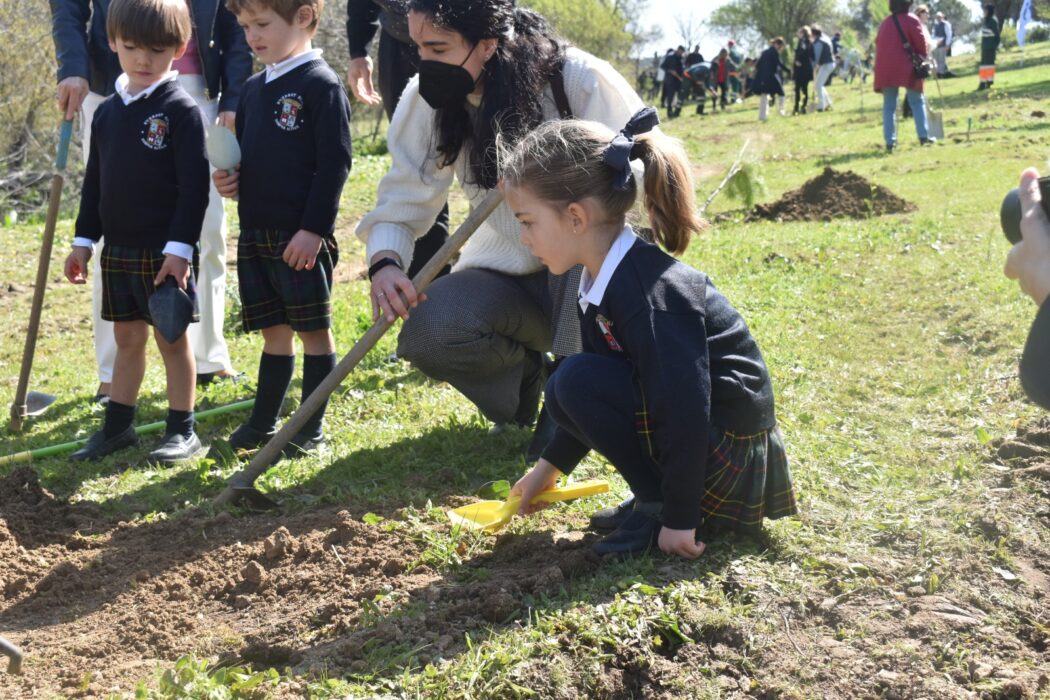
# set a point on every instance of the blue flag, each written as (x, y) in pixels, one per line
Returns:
(1023, 20)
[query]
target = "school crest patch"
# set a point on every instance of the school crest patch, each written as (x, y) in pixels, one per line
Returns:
(605, 326)
(154, 134)
(288, 114)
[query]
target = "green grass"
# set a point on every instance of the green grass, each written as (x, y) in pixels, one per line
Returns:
(893, 345)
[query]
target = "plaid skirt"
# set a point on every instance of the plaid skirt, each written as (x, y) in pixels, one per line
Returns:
(127, 282)
(748, 479)
(272, 293)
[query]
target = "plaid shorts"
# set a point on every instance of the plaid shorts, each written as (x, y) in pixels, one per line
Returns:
(127, 282)
(272, 293)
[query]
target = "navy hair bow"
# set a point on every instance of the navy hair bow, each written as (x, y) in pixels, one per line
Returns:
(620, 150)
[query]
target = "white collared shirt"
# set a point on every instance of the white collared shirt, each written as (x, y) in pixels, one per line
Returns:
(122, 87)
(592, 291)
(276, 70)
(182, 250)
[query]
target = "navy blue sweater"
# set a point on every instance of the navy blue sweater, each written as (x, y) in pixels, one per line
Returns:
(146, 181)
(695, 365)
(295, 149)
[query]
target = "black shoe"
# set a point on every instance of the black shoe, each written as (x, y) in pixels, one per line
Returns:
(608, 519)
(303, 445)
(98, 446)
(206, 378)
(927, 142)
(248, 438)
(890, 147)
(635, 536)
(176, 447)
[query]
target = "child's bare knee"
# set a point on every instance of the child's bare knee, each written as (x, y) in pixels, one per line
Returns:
(319, 342)
(130, 335)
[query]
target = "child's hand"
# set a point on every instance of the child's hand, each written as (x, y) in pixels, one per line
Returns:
(227, 182)
(542, 477)
(680, 542)
(76, 267)
(177, 267)
(301, 251)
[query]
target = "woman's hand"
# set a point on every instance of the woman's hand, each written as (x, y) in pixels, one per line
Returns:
(1029, 260)
(359, 77)
(680, 542)
(392, 291)
(227, 181)
(542, 477)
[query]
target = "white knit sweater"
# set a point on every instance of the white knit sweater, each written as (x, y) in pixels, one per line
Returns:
(412, 193)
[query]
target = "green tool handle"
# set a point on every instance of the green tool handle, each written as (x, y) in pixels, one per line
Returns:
(156, 427)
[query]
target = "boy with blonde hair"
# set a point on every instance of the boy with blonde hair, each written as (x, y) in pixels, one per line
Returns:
(293, 124)
(145, 190)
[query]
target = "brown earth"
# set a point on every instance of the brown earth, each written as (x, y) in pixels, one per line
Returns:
(96, 606)
(833, 194)
(108, 602)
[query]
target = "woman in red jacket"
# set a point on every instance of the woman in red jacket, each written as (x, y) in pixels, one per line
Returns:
(894, 69)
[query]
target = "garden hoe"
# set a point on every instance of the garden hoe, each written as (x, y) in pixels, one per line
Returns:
(33, 403)
(14, 655)
(241, 488)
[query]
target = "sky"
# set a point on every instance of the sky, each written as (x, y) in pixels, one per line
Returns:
(662, 13)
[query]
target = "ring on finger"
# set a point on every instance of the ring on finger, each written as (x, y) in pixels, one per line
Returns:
(381, 294)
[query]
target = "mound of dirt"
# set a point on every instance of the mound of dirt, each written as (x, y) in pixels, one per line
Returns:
(30, 516)
(833, 194)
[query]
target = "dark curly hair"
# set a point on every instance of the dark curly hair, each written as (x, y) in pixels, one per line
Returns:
(528, 53)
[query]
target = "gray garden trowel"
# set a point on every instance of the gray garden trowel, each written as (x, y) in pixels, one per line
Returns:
(37, 402)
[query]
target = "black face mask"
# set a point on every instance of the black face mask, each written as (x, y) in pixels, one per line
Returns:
(443, 85)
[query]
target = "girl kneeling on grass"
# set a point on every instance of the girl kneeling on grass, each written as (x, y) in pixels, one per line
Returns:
(671, 388)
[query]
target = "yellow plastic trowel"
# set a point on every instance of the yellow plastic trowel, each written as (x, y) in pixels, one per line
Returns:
(493, 515)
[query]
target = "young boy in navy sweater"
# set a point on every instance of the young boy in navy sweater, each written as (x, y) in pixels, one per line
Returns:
(293, 124)
(145, 190)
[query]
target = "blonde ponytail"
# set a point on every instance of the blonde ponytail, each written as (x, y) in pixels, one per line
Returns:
(669, 193)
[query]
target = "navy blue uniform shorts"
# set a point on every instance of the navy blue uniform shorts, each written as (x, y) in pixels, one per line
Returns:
(127, 283)
(272, 293)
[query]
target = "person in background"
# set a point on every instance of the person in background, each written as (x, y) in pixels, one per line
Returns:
(836, 53)
(212, 70)
(673, 70)
(802, 74)
(894, 70)
(398, 62)
(694, 57)
(1029, 263)
(942, 45)
(824, 62)
(723, 68)
(736, 58)
(699, 76)
(768, 80)
(989, 47)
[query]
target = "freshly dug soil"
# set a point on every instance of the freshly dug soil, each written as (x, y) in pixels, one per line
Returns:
(833, 194)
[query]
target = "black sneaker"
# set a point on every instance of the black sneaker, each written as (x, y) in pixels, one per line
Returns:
(175, 447)
(303, 445)
(98, 446)
(608, 519)
(635, 536)
(890, 147)
(927, 141)
(248, 438)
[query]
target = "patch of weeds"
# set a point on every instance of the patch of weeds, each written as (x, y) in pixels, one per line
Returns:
(192, 678)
